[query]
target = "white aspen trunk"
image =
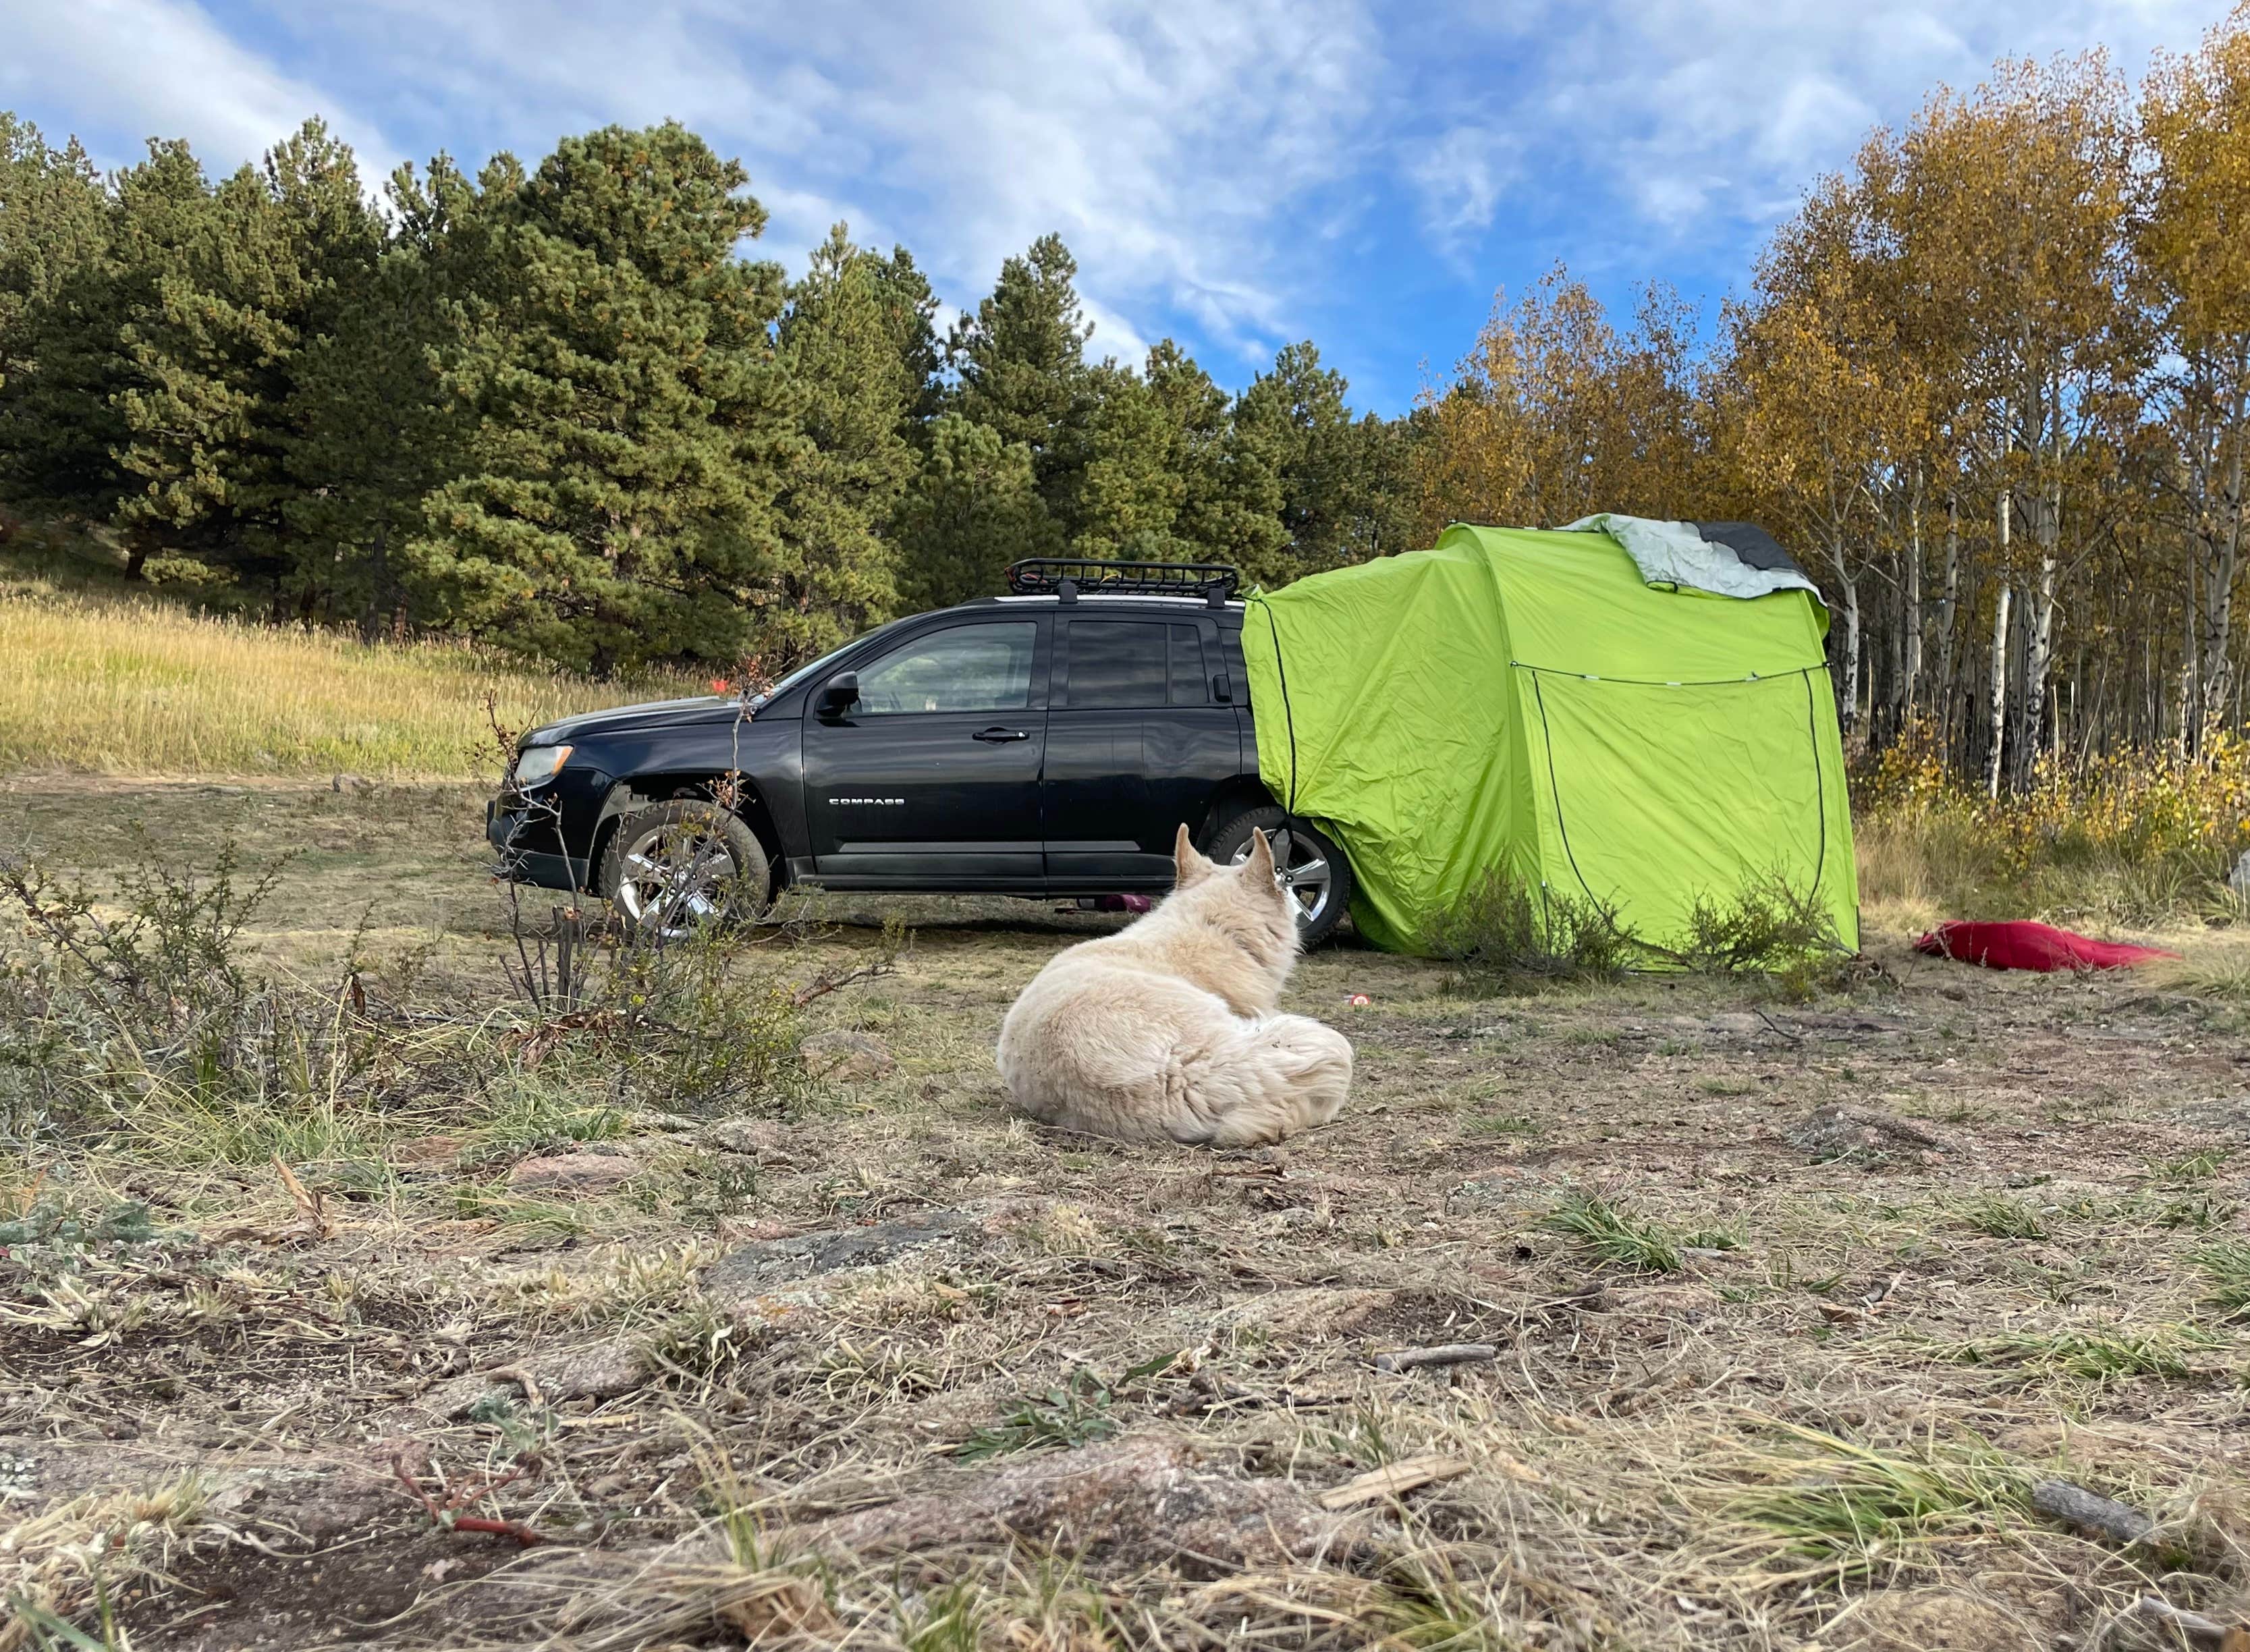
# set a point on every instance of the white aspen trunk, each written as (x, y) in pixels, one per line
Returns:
(2188, 708)
(2092, 726)
(1948, 614)
(1893, 688)
(1999, 688)
(1851, 695)
(1911, 619)
(1848, 698)
(2149, 716)
(2222, 558)
(2039, 633)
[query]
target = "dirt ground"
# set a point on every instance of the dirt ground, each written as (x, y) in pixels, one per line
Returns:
(1791, 1311)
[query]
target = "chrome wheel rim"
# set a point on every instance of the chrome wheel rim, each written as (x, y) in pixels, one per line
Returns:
(673, 878)
(1299, 867)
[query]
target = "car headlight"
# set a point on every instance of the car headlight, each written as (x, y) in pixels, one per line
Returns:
(539, 764)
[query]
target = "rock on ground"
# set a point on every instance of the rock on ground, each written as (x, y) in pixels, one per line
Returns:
(601, 1372)
(1838, 1128)
(1291, 1316)
(751, 1269)
(571, 1173)
(846, 1055)
(1141, 1502)
(754, 1137)
(1739, 1023)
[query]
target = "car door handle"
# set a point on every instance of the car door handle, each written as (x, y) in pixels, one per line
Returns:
(999, 736)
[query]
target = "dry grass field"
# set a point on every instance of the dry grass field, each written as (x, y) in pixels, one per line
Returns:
(94, 682)
(323, 1294)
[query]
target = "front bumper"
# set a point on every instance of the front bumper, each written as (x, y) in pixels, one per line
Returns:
(530, 847)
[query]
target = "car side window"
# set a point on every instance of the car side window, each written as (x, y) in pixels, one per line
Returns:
(1116, 665)
(976, 667)
(1190, 682)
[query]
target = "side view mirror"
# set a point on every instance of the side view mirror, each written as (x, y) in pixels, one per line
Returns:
(837, 695)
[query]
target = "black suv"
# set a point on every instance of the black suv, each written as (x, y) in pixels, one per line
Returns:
(1047, 743)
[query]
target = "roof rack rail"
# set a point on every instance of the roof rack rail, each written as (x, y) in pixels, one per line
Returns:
(1066, 577)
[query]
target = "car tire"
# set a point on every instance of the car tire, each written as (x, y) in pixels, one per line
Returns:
(1317, 916)
(681, 865)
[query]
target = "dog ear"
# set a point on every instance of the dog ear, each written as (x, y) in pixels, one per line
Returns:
(1189, 866)
(1260, 863)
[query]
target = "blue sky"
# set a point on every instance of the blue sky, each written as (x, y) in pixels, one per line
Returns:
(1234, 173)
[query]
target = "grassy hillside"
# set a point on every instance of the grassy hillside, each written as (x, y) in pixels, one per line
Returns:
(98, 684)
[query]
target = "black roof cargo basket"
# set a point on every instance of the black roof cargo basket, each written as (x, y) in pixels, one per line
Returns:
(1066, 577)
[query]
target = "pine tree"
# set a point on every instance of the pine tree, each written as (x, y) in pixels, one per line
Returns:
(61, 427)
(235, 288)
(858, 369)
(974, 509)
(1229, 506)
(619, 504)
(52, 227)
(371, 428)
(1294, 424)
(1021, 359)
(908, 305)
(1128, 484)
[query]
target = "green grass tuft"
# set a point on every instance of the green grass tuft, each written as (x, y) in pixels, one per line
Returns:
(1850, 1508)
(2004, 1218)
(2162, 1351)
(1615, 1238)
(2226, 1265)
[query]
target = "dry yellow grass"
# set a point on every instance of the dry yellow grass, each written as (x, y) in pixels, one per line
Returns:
(123, 687)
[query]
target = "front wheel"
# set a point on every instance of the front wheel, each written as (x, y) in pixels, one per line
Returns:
(680, 865)
(1311, 867)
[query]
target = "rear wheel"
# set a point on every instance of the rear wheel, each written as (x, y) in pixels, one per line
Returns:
(680, 865)
(1311, 867)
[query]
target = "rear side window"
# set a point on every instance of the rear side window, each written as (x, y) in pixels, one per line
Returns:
(1191, 682)
(1117, 664)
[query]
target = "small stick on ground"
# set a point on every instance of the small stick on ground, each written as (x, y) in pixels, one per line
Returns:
(448, 1514)
(822, 985)
(1453, 1353)
(2191, 1626)
(2086, 1511)
(523, 1380)
(1793, 1037)
(1393, 1479)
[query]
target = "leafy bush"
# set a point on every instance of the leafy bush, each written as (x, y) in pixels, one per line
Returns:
(1769, 925)
(1507, 926)
(2134, 836)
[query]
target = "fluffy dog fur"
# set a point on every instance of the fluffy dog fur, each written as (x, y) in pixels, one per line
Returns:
(1168, 1030)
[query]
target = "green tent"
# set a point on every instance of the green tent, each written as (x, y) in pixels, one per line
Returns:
(1529, 702)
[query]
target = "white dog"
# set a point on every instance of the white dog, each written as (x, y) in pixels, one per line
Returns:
(1167, 1029)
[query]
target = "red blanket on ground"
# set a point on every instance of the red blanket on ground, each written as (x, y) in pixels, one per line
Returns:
(2025, 945)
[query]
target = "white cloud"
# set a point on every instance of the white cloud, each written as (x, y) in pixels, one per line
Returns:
(1214, 166)
(1113, 334)
(1171, 146)
(1460, 178)
(1707, 118)
(118, 71)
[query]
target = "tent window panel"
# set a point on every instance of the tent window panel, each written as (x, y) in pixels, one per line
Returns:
(1667, 797)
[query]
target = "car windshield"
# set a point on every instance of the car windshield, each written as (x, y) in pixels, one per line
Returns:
(815, 668)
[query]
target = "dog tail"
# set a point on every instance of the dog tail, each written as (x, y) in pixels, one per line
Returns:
(1259, 1081)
